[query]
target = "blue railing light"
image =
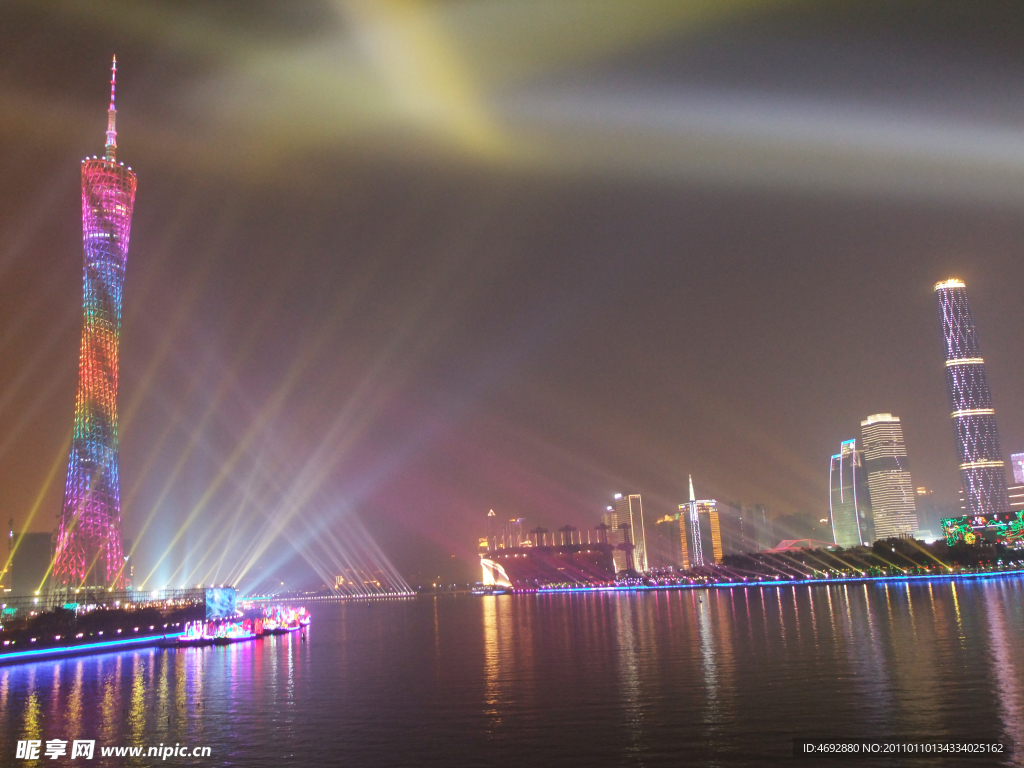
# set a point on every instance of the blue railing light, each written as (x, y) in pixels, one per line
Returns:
(107, 644)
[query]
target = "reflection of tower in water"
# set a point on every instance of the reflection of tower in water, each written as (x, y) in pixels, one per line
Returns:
(1005, 661)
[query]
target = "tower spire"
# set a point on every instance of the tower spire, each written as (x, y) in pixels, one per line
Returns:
(111, 153)
(693, 496)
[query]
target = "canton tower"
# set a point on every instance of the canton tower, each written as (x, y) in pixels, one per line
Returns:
(89, 538)
(970, 400)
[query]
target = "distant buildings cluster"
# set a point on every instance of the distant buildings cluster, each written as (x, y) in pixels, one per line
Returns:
(871, 492)
(699, 534)
(703, 531)
(871, 495)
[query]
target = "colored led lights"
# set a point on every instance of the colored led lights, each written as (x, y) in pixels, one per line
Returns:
(89, 537)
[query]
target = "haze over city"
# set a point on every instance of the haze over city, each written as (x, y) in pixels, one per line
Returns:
(511, 382)
(404, 263)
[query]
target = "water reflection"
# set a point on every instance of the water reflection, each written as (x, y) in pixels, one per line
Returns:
(1003, 655)
(623, 679)
(631, 644)
(492, 657)
(709, 665)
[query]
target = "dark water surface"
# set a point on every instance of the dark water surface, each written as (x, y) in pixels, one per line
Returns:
(652, 678)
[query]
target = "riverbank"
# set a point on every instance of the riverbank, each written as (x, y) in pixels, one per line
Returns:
(794, 582)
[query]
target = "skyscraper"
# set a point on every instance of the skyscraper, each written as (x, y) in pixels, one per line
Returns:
(703, 528)
(970, 401)
(512, 533)
(849, 505)
(1017, 462)
(615, 537)
(627, 509)
(88, 549)
(885, 459)
(763, 530)
(492, 530)
(735, 527)
(668, 546)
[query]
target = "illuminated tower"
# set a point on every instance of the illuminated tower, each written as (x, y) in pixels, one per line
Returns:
(970, 400)
(892, 492)
(89, 538)
(848, 500)
(704, 530)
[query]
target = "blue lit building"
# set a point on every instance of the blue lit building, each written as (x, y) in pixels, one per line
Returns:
(848, 498)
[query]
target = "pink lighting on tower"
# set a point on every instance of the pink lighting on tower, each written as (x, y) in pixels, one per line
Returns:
(89, 537)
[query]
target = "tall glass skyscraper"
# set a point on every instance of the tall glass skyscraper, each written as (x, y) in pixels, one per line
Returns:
(849, 503)
(89, 537)
(893, 505)
(970, 401)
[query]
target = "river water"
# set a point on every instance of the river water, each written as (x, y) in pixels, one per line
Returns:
(695, 677)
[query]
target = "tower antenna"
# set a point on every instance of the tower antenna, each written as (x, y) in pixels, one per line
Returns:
(111, 153)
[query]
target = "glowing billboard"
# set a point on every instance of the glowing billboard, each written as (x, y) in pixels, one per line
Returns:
(220, 602)
(1006, 528)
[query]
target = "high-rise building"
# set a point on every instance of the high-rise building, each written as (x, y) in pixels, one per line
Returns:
(1014, 494)
(703, 530)
(1017, 462)
(763, 530)
(738, 536)
(512, 533)
(492, 530)
(667, 547)
(627, 509)
(614, 536)
(930, 512)
(849, 504)
(89, 537)
(888, 470)
(970, 401)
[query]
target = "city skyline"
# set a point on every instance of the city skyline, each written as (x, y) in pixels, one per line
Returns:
(466, 390)
(413, 343)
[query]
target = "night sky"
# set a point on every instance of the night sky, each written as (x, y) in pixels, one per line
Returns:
(402, 262)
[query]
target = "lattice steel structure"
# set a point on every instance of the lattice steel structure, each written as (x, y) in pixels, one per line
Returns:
(89, 538)
(970, 400)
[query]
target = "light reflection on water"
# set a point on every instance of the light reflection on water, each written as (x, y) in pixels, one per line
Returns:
(655, 678)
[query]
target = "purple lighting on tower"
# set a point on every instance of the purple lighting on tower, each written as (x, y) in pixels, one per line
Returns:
(89, 538)
(970, 400)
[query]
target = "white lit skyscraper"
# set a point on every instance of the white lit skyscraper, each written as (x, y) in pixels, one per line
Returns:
(892, 492)
(970, 399)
